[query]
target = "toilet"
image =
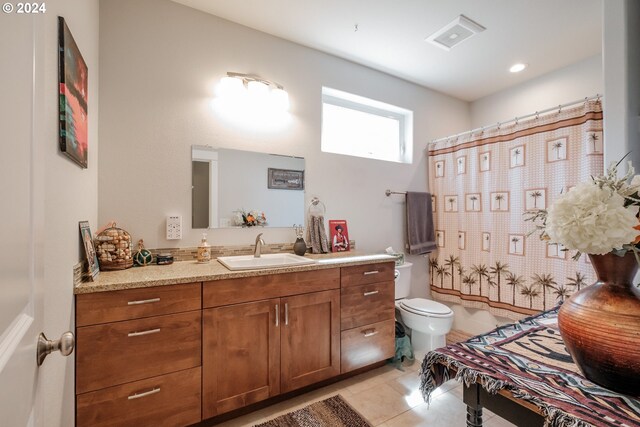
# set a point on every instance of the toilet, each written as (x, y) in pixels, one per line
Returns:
(428, 320)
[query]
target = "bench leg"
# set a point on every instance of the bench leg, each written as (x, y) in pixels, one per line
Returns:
(474, 416)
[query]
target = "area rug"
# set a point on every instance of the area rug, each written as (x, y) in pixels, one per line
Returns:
(331, 412)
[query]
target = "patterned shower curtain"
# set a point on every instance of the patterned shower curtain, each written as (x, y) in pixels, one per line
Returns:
(483, 184)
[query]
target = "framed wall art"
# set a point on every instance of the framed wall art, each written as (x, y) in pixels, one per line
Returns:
(72, 101)
(285, 179)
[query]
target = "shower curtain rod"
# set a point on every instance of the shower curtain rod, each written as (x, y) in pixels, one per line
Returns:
(517, 119)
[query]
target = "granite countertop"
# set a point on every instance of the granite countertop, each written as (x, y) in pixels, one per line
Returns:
(191, 271)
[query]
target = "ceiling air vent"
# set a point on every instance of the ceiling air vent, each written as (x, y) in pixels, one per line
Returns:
(459, 30)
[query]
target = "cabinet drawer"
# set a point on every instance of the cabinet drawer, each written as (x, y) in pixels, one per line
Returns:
(170, 400)
(369, 273)
(365, 304)
(113, 306)
(233, 291)
(367, 344)
(116, 353)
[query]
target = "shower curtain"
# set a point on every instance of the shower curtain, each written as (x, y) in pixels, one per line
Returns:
(482, 185)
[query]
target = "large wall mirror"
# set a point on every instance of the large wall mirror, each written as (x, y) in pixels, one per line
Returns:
(227, 183)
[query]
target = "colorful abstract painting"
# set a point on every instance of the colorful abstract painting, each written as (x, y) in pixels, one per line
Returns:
(483, 185)
(73, 85)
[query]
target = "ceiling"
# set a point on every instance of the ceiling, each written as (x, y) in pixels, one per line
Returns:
(546, 34)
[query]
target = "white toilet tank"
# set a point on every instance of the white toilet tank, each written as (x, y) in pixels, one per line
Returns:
(403, 280)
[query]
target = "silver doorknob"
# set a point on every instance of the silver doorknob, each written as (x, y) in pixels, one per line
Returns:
(64, 345)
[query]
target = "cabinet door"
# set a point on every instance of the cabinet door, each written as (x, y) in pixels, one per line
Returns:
(310, 338)
(241, 355)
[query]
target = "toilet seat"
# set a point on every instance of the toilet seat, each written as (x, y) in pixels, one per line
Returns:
(425, 307)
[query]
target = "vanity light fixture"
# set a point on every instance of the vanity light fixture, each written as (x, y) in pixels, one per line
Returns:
(516, 68)
(255, 89)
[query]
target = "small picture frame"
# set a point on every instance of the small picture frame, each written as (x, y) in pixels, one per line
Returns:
(339, 235)
(535, 199)
(440, 238)
(516, 244)
(89, 250)
(434, 201)
(486, 241)
(439, 169)
(462, 240)
(285, 179)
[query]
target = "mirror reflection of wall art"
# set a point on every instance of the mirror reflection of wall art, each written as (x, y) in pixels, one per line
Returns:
(535, 198)
(462, 240)
(593, 141)
(72, 103)
(557, 150)
(516, 156)
(461, 165)
(285, 179)
(486, 242)
(439, 169)
(485, 161)
(451, 203)
(473, 202)
(499, 201)
(440, 238)
(516, 244)
(434, 200)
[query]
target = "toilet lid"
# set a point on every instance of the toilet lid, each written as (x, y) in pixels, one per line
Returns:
(429, 307)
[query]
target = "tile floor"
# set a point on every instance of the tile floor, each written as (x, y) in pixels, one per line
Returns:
(386, 397)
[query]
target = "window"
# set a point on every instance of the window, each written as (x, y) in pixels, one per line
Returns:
(358, 126)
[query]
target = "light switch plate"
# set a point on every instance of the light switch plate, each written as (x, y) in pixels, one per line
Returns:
(174, 227)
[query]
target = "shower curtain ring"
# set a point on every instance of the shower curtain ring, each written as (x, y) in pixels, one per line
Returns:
(537, 115)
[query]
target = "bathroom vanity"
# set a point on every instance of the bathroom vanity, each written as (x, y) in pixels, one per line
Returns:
(174, 345)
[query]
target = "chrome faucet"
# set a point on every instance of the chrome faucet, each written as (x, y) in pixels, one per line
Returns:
(259, 243)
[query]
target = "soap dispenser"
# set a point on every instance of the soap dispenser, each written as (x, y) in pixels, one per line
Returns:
(204, 250)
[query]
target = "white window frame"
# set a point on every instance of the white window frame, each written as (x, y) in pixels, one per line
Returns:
(378, 108)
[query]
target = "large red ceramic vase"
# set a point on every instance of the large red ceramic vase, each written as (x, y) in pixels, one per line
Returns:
(600, 325)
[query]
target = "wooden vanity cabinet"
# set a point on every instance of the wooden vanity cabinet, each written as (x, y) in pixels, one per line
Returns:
(138, 357)
(367, 315)
(288, 339)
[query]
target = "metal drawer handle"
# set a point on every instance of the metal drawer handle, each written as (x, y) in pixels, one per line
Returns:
(286, 313)
(366, 294)
(370, 333)
(144, 301)
(366, 273)
(146, 393)
(277, 315)
(149, 332)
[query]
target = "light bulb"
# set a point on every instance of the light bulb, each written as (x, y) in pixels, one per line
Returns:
(516, 68)
(230, 87)
(280, 99)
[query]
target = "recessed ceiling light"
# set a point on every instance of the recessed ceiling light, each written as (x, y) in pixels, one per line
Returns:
(516, 68)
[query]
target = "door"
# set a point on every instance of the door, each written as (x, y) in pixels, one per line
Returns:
(22, 195)
(240, 355)
(310, 349)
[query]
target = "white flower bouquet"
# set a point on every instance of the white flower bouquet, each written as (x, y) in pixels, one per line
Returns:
(595, 217)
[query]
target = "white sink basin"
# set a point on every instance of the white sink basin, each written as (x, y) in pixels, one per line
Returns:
(249, 262)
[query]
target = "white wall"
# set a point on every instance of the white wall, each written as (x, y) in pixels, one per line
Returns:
(71, 196)
(573, 82)
(160, 62)
(621, 46)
